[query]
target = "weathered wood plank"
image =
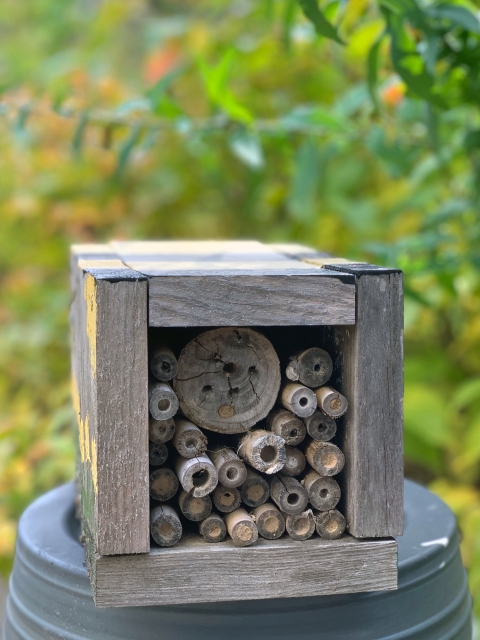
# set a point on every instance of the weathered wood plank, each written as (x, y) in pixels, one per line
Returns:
(326, 298)
(110, 391)
(369, 370)
(194, 571)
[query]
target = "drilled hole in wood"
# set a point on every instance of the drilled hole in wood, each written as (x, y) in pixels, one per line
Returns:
(293, 498)
(303, 402)
(268, 454)
(207, 388)
(164, 405)
(234, 390)
(229, 367)
(200, 478)
(252, 369)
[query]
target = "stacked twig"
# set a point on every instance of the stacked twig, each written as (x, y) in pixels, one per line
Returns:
(268, 461)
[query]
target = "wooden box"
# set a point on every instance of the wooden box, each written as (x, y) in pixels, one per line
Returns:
(122, 289)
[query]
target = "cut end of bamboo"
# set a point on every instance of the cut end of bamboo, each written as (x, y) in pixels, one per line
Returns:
(163, 364)
(158, 454)
(286, 425)
(263, 450)
(269, 520)
(312, 367)
(194, 509)
(241, 528)
(326, 458)
(288, 494)
(160, 431)
(323, 491)
(330, 525)
(255, 490)
(213, 528)
(299, 399)
(163, 484)
(295, 462)
(320, 426)
(162, 402)
(226, 499)
(232, 472)
(165, 526)
(197, 475)
(331, 402)
(300, 526)
(188, 439)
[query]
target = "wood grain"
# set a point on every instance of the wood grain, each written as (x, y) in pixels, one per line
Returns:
(281, 568)
(318, 298)
(110, 386)
(369, 370)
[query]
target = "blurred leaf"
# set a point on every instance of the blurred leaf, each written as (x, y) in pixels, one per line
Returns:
(303, 190)
(126, 150)
(466, 393)
(426, 415)
(302, 117)
(313, 12)
(458, 15)
(472, 140)
(372, 71)
(216, 79)
(246, 146)
(78, 136)
(288, 21)
(138, 105)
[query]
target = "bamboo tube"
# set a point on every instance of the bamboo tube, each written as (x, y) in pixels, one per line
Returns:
(160, 431)
(300, 526)
(312, 367)
(194, 509)
(213, 528)
(226, 499)
(331, 402)
(231, 470)
(255, 490)
(188, 440)
(295, 462)
(325, 457)
(320, 426)
(269, 520)
(163, 484)
(286, 425)
(162, 401)
(241, 528)
(263, 450)
(323, 491)
(299, 399)
(157, 454)
(330, 525)
(165, 526)
(197, 475)
(288, 494)
(163, 364)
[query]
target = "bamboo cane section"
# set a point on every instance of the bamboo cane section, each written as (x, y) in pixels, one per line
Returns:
(237, 454)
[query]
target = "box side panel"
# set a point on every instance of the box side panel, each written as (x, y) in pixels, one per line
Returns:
(110, 387)
(198, 572)
(370, 373)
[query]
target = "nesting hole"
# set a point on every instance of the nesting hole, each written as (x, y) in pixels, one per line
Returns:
(331, 526)
(303, 401)
(301, 526)
(293, 498)
(190, 444)
(232, 473)
(252, 369)
(268, 453)
(163, 405)
(207, 388)
(323, 493)
(229, 367)
(316, 367)
(199, 478)
(329, 460)
(166, 366)
(293, 433)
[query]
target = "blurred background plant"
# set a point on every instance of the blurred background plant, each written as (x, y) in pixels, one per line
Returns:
(351, 126)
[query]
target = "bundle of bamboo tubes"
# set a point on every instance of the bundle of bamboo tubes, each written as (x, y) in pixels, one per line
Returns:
(234, 450)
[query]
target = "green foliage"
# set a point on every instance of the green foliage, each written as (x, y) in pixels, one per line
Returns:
(211, 119)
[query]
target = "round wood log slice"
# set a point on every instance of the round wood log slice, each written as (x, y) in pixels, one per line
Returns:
(228, 379)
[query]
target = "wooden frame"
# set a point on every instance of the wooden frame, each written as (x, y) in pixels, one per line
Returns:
(122, 288)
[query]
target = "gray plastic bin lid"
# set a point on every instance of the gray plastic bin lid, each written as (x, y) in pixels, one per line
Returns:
(50, 593)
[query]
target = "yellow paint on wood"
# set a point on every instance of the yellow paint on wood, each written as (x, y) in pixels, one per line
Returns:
(90, 294)
(324, 262)
(88, 444)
